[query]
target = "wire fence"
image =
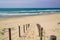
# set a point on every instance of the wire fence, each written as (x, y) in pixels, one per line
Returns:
(9, 33)
(14, 33)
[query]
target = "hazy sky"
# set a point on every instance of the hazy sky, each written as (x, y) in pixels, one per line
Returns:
(29, 3)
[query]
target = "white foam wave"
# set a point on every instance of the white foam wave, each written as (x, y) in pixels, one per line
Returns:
(16, 14)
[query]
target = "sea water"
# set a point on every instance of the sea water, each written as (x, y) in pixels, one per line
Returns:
(11, 12)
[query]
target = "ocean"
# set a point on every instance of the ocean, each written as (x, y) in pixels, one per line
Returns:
(11, 12)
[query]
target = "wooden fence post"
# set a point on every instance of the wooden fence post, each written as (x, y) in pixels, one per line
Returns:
(39, 29)
(41, 34)
(9, 34)
(28, 25)
(19, 31)
(24, 28)
(53, 37)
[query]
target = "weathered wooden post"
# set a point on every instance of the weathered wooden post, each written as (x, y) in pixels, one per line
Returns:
(41, 34)
(9, 34)
(39, 29)
(28, 25)
(24, 28)
(19, 31)
(52, 37)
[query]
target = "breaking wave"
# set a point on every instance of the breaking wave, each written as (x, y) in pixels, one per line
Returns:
(11, 13)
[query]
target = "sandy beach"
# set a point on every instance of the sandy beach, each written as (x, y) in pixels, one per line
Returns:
(50, 24)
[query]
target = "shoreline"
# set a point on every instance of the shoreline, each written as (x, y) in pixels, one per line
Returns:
(2, 19)
(27, 15)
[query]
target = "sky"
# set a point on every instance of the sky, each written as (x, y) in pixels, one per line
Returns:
(29, 3)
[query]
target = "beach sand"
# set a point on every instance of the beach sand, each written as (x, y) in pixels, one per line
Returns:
(50, 24)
